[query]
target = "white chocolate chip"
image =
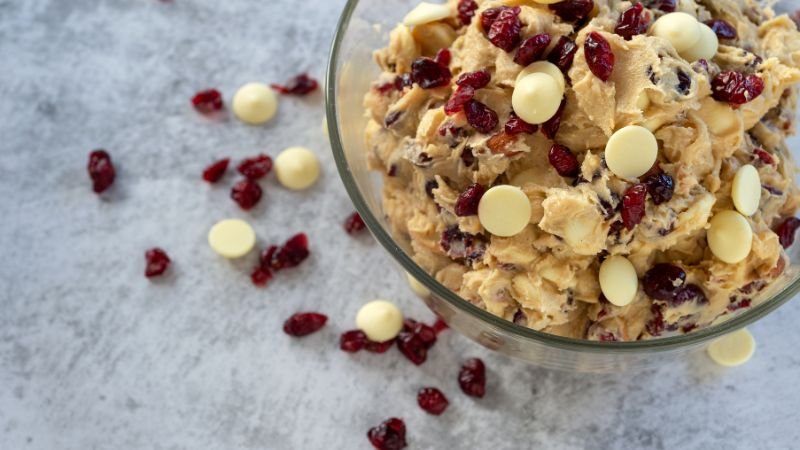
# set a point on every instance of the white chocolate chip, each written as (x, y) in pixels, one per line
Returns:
(232, 238)
(297, 168)
(719, 117)
(536, 98)
(618, 280)
(255, 103)
(680, 29)
(733, 349)
(631, 151)
(729, 237)
(746, 190)
(544, 67)
(425, 13)
(705, 48)
(504, 210)
(380, 320)
(417, 287)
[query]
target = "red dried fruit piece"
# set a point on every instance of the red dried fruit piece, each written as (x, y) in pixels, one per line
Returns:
(532, 49)
(353, 341)
(467, 157)
(633, 205)
(389, 435)
(472, 378)
(260, 276)
(742, 304)
(429, 74)
(354, 224)
(550, 128)
(735, 87)
(379, 347)
(655, 326)
(689, 293)
(101, 170)
(572, 10)
(503, 26)
(663, 281)
(412, 347)
(632, 21)
(459, 98)
(432, 400)
(663, 5)
(660, 186)
(303, 324)
(466, 11)
(425, 332)
(208, 101)
(563, 53)
(562, 159)
(291, 254)
(255, 167)
(300, 85)
(516, 126)
(684, 82)
(467, 202)
(439, 326)
(215, 171)
(785, 231)
(157, 262)
(246, 193)
(476, 80)
(443, 57)
(599, 56)
(457, 244)
(763, 156)
(480, 116)
(722, 29)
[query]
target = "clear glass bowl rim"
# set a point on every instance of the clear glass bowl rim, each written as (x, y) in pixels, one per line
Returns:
(437, 289)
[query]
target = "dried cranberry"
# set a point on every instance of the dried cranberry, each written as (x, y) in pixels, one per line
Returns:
(572, 10)
(260, 276)
(439, 326)
(428, 74)
(412, 347)
(208, 101)
(157, 262)
(655, 326)
(550, 128)
(432, 400)
(476, 80)
(389, 435)
(742, 304)
(599, 56)
(425, 332)
(443, 57)
(354, 224)
(480, 116)
(472, 378)
(457, 244)
(562, 159)
(786, 230)
(215, 171)
(246, 193)
(387, 87)
(467, 202)
(722, 29)
(459, 98)
(291, 254)
(633, 205)
(663, 5)
(300, 85)
(504, 26)
(466, 11)
(353, 341)
(255, 167)
(689, 293)
(467, 157)
(660, 186)
(735, 87)
(632, 21)
(684, 82)
(663, 281)
(516, 126)
(763, 156)
(303, 324)
(532, 49)
(379, 347)
(563, 53)
(101, 170)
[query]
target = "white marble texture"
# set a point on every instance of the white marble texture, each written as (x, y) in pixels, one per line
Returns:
(94, 356)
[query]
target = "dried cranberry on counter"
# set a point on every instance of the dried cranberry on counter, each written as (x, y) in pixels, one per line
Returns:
(246, 193)
(389, 435)
(354, 224)
(215, 171)
(101, 170)
(255, 167)
(291, 254)
(208, 101)
(303, 324)
(300, 85)
(432, 400)
(472, 378)
(157, 262)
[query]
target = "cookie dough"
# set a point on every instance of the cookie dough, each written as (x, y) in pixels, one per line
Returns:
(653, 122)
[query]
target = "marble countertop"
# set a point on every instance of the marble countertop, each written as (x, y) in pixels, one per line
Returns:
(94, 356)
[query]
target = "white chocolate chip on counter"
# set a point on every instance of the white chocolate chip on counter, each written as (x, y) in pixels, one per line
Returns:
(425, 13)
(705, 48)
(680, 29)
(631, 151)
(297, 168)
(536, 98)
(504, 210)
(544, 67)
(746, 190)
(232, 238)
(417, 287)
(729, 237)
(255, 103)
(618, 280)
(380, 320)
(733, 349)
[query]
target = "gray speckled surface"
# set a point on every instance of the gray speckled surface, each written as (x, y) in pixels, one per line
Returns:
(94, 356)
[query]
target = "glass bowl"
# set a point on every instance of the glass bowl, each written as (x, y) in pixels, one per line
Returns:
(363, 28)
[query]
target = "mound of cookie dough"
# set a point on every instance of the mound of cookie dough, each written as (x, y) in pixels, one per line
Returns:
(602, 170)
